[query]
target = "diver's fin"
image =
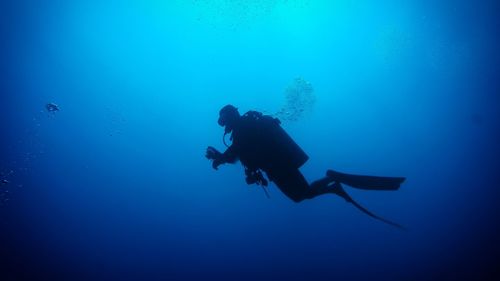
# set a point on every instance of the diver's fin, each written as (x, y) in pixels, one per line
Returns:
(266, 192)
(366, 182)
(337, 189)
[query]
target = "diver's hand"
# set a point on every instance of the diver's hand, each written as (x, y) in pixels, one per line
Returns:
(212, 153)
(216, 163)
(215, 155)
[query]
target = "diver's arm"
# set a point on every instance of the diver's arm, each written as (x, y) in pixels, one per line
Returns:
(229, 156)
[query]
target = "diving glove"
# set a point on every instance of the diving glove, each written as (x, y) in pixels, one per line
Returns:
(215, 155)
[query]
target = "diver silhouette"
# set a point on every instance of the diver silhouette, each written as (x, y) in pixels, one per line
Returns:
(262, 145)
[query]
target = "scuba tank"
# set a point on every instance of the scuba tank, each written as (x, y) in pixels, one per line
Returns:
(269, 145)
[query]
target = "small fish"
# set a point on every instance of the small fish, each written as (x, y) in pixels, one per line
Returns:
(5, 181)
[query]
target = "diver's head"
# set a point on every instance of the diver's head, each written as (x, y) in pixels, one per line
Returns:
(228, 116)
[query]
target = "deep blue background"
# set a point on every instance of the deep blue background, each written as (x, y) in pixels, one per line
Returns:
(115, 185)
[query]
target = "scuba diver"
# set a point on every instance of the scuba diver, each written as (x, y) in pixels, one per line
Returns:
(262, 145)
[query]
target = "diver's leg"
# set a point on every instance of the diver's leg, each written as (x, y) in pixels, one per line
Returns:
(321, 183)
(323, 186)
(292, 183)
(366, 182)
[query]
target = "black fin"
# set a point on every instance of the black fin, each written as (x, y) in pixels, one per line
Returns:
(366, 182)
(341, 192)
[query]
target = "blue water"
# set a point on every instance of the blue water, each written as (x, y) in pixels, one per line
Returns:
(115, 185)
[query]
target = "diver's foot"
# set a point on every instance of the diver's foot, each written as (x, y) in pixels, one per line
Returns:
(331, 174)
(336, 188)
